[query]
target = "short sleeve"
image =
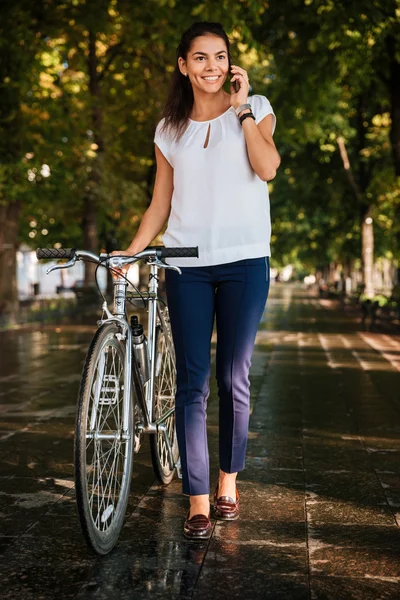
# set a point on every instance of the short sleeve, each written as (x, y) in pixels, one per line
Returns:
(162, 140)
(261, 108)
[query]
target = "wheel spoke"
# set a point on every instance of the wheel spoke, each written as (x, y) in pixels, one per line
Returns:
(106, 460)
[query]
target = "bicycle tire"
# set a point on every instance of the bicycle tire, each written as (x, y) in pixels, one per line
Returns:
(100, 409)
(163, 400)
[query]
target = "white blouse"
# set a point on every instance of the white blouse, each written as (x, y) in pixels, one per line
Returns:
(219, 203)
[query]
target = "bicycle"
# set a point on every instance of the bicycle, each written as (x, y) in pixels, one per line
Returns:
(127, 390)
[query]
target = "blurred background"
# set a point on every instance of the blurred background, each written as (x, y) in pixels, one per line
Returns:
(83, 83)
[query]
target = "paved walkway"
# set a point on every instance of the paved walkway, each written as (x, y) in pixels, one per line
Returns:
(320, 496)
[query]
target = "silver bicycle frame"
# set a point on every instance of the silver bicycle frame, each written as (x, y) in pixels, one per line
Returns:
(119, 316)
(152, 299)
(153, 310)
(120, 287)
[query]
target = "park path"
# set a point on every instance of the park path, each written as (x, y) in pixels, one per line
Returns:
(320, 495)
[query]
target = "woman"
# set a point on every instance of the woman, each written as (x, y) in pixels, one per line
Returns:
(214, 155)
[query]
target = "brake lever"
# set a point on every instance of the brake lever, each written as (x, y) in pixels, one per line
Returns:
(70, 263)
(162, 265)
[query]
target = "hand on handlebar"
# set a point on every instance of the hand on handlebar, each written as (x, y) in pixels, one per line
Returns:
(123, 270)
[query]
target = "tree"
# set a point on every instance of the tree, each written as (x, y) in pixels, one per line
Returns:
(18, 34)
(350, 51)
(85, 87)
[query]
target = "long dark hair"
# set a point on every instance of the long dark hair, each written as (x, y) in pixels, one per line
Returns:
(180, 98)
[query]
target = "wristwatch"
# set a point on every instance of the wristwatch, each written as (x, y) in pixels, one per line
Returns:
(242, 107)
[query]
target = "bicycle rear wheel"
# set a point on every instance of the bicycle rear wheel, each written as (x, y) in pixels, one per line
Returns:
(103, 451)
(164, 401)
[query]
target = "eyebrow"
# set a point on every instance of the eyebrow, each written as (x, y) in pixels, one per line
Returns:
(205, 54)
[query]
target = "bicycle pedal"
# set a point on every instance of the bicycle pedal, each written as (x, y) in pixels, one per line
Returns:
(178, 467)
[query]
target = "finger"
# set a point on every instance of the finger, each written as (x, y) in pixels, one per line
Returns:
(244, 75)
(117, 272)
(242, 81)
(238, 69)
(239, 76)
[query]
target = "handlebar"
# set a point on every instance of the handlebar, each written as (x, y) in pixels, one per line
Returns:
(158, 252)
(55, 253)
(192, 252)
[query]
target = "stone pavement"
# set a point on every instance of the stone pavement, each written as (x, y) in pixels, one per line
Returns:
(320, 495)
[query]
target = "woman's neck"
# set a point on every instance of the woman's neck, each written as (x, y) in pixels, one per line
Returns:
(209, 106)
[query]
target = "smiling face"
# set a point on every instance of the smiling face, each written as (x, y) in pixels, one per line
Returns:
(206, 64)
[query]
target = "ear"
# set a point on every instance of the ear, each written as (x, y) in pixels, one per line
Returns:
(182, 65)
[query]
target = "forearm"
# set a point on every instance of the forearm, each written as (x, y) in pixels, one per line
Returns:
(263, 156)
(152, 223)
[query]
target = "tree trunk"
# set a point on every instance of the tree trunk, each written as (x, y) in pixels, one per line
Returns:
(8, 259)
(332, 269)
(89, 221)
(394, 92)
(90, 238)
(367, 225)
(367, 235)
(110, 246)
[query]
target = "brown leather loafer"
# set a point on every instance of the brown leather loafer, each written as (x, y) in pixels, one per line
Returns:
(225, 507)
(199, 527)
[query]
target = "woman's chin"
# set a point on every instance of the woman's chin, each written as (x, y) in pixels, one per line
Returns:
(210, 89)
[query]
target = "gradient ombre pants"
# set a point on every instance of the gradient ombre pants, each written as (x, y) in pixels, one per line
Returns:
(236, 294)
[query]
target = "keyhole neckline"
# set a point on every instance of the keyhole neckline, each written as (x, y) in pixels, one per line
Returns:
(215, 119)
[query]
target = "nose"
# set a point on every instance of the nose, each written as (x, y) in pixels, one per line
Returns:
(212, 65)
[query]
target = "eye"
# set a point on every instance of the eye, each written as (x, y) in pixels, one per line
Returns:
(221, 56)
(200, 58)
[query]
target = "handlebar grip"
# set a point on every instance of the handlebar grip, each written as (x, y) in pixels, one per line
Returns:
(55, 253)
(180, 252)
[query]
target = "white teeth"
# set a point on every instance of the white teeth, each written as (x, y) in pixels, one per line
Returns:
(211, 78)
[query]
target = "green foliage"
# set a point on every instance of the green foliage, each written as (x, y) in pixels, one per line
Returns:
(331, 80)
(323, 65)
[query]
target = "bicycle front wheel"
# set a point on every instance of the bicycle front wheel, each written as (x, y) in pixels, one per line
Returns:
(164, 402)
(103, 450)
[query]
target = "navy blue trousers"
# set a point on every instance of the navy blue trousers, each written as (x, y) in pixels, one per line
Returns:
(235, 293)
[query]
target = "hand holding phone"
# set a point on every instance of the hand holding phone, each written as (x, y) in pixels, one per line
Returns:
(239, 86)
(240, 74)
